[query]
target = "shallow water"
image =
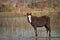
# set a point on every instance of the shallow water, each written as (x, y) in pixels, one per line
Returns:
(24, 34)
(20, 29)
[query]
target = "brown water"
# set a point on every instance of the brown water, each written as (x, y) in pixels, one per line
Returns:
(17, 28)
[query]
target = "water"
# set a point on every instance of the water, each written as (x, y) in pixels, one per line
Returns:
(25, 34)
(19, 29)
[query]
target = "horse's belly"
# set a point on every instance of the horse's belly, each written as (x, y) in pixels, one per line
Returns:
(38, 24)
(42, 24)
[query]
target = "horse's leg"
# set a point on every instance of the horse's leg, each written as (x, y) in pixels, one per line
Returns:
(35, 29)
(49, 33)
(48, 30)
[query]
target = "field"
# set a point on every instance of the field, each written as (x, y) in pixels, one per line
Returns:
(18, 28)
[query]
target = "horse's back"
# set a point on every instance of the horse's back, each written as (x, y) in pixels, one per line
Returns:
(45, 17)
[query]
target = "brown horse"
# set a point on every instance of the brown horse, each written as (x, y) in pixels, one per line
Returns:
(43, 21)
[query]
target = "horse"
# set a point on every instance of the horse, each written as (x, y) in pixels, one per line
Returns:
(42, 21)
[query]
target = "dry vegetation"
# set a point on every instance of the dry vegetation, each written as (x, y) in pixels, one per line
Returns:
(53, 13)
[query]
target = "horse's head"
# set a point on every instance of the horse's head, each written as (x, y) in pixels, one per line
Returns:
(29, 16)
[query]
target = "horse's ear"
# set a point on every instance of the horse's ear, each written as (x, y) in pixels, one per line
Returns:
(30, 13)
(27, 13)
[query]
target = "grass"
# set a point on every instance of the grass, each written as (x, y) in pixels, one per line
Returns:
(35, 12)
(10, 14)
